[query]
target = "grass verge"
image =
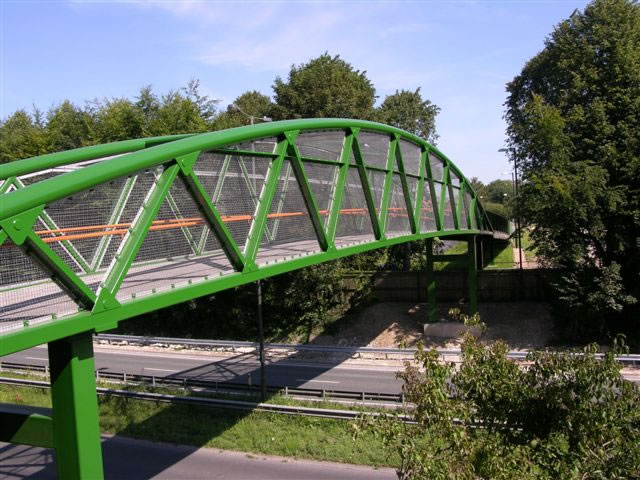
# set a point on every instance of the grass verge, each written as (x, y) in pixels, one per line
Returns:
(256, 432)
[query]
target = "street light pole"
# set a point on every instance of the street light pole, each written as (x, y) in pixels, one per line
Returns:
(514, 183)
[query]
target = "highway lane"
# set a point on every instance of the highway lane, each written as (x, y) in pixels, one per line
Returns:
(241, 368)
(126, 458)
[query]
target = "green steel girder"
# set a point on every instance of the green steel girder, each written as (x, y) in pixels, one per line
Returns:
(364, 179)
(266, 199)
(178, 157)
(26, 425)
(305, 189)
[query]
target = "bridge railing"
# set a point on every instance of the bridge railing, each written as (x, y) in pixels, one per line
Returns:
(146, 223)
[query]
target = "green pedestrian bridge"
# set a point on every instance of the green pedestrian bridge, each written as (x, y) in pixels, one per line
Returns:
(100, 234)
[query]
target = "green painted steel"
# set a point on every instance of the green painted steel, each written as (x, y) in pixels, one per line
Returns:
(98, 309)
(140, 191)
(26, 425)
(76, 431)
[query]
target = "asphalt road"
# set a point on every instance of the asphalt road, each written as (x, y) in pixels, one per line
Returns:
(241, 368)
(130, 459)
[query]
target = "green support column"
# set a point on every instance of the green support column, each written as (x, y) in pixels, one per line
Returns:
(472, 275)
(76, 431)
(432, 310)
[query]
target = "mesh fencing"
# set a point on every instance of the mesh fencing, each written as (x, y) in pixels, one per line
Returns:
(322, 180)
(437, 167)
(322, 144)
(289, 231)
(376, 183)
(410, 157)
(398, 217)
(374, 147)
(427, 212)
(354, 222)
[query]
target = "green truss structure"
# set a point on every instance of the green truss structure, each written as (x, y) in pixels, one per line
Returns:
(96, 235)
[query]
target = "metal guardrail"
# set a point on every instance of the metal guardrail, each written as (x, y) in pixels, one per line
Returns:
(231, 344)
(219, 403)
(223, 387)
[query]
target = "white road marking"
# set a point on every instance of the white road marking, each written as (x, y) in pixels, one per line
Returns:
(160, 369)
(37, 358)
(316, 381)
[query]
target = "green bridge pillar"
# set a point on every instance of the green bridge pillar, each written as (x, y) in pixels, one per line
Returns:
(432, 309)
(472, 274)
(471, 259)
(76, 430)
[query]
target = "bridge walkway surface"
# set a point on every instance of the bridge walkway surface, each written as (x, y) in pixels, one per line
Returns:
(97, 235)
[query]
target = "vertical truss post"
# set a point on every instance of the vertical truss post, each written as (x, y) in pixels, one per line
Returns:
(366, 187)
(386, 194)
(435, 202)
(472, 274)
(76, 430)
(432, 312)
(338, 190)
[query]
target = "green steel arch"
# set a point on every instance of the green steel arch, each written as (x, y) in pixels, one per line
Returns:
(96, 235)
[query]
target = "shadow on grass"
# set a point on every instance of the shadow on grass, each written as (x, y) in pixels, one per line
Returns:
(189, 427)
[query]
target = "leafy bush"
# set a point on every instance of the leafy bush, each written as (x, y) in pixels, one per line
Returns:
(559, 415)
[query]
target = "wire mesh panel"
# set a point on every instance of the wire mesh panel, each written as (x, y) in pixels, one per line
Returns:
(75, 227)
(410, 157)
(413, 183)
(448, 211)
(376, 183)
(234, 184)
(27, 294)
(322, 144)
(354, 223)
(264, 145)
(139, 184)
(322, 180)
(170, 255)
(437, 167)
(455, 180)
(454, 204)
(398, 217)
(427, 212)
(289, 231)
(374, 147)
(466, 209)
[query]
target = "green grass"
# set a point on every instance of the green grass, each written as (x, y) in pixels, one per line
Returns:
(502, 251)
(256, 432)
(527, 246)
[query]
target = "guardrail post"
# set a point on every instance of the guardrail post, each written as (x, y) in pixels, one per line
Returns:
(76, 431)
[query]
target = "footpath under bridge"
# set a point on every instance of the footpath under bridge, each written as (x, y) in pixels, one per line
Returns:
(93, 236)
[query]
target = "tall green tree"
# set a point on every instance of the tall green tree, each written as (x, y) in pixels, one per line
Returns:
(573, 119)
(21, 136)
(253, 103)
(409, 111)
(119, 119)
(324, 87)
(68, 126)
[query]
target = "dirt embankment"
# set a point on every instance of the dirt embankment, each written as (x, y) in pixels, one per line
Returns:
(523, 325)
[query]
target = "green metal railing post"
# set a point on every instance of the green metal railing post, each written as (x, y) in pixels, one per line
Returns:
(472, 274)
(432, 311)
(76, 430)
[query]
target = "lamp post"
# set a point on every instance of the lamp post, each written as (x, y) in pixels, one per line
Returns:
(263, 375)
(514, 183)
(235, 108)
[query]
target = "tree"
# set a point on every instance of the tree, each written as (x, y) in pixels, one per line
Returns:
(252, 103)
(68, 127)
(119, 119)
(566, 415)
(325, 87)
(21, 136)
(409, 111)
(573, 119)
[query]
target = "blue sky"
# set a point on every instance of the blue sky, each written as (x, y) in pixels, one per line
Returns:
(461, 53)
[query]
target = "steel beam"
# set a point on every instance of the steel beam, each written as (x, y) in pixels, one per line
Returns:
(76, 430)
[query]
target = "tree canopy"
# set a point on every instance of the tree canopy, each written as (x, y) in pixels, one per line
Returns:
(573, 117)
(324, 87)
(409, 111)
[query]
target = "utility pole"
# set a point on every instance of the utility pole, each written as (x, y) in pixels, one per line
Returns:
(263, 377)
